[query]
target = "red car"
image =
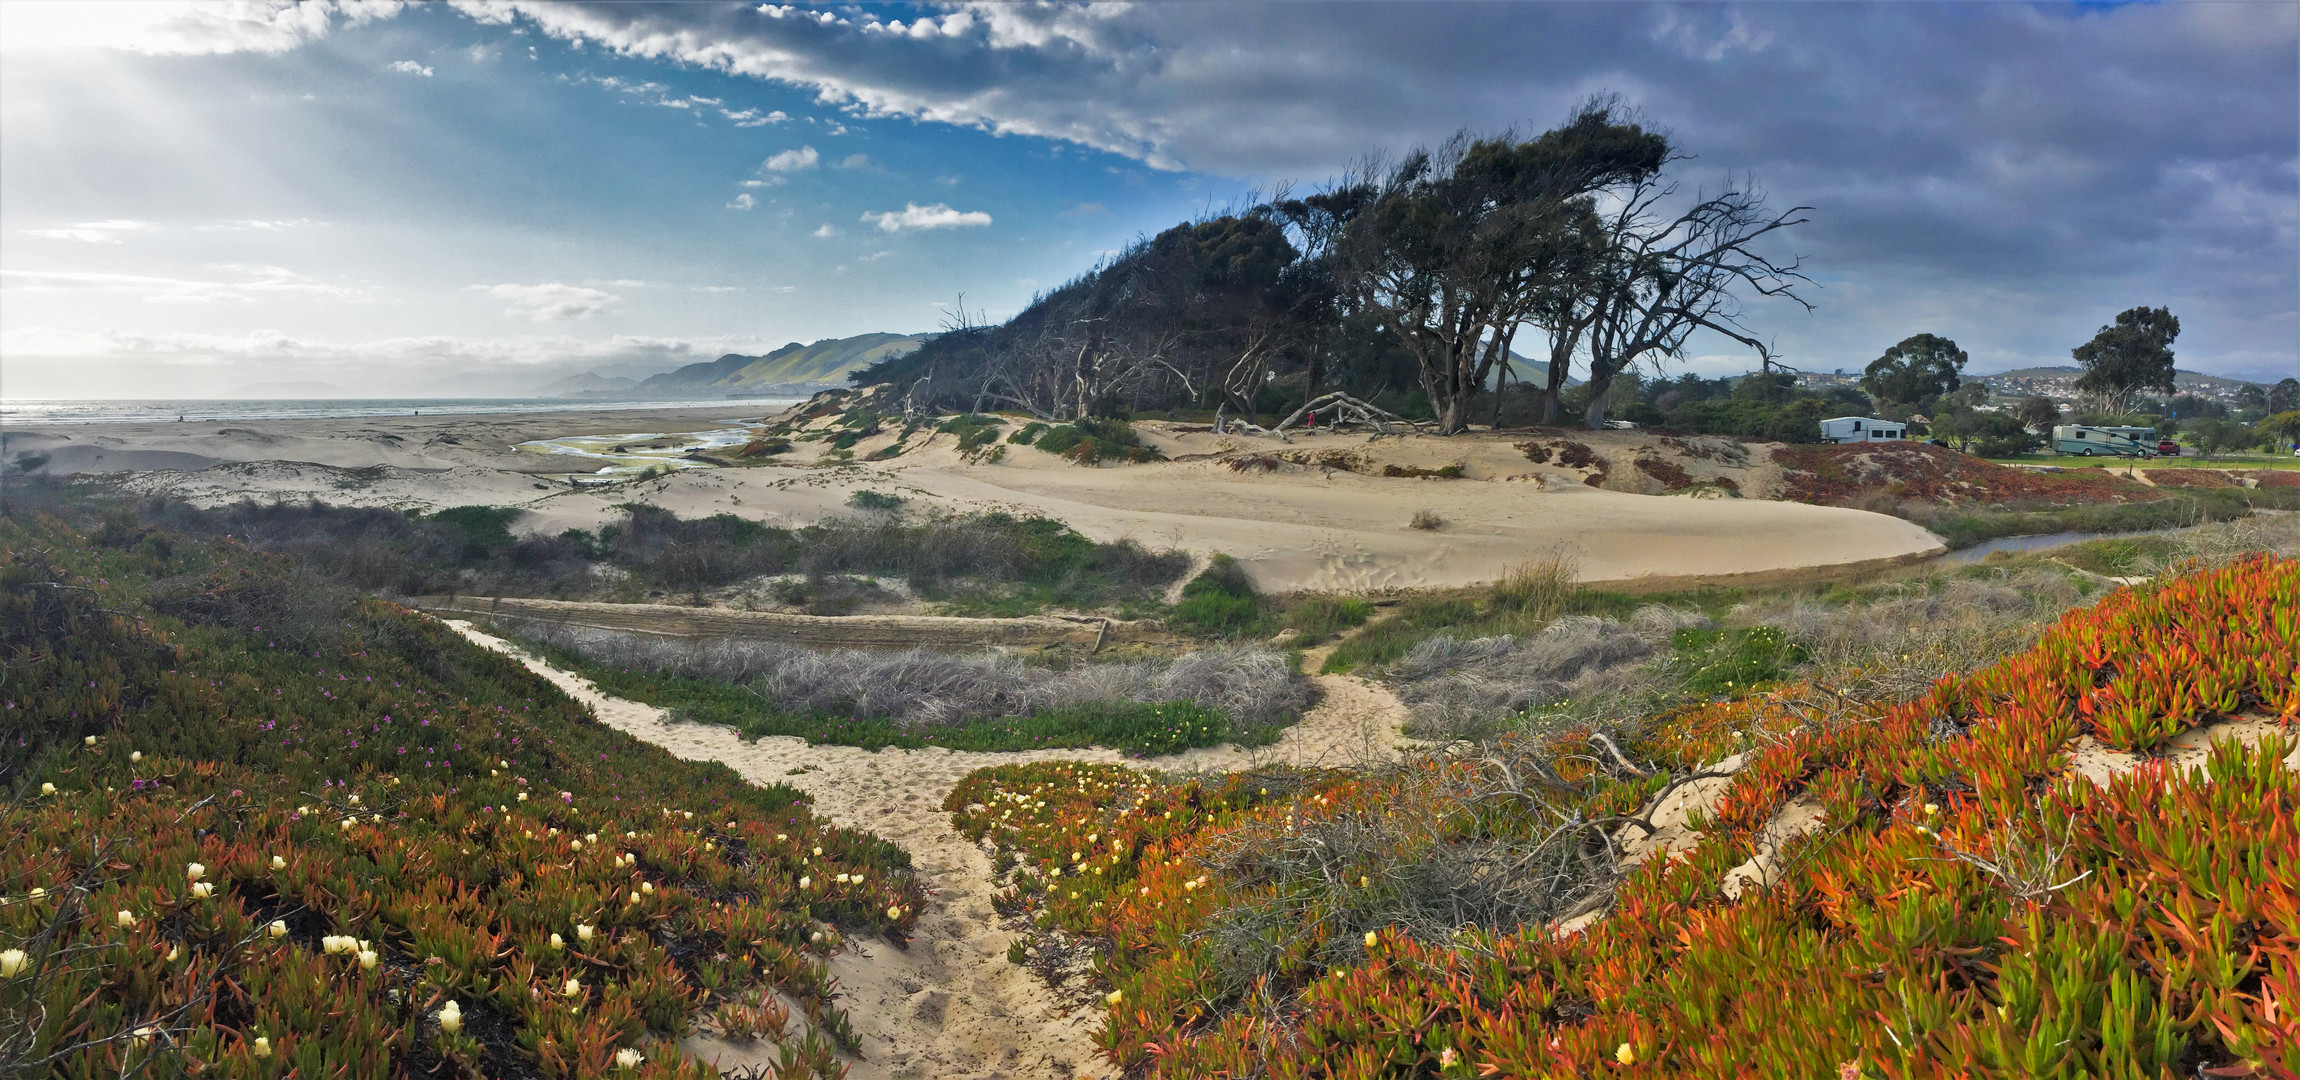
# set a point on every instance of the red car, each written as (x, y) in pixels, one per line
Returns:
(2167, 448)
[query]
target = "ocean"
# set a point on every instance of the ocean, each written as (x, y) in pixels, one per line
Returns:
(15, 413)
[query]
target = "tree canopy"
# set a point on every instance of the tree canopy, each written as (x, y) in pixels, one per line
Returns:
(1920, 368)
(2129, 356)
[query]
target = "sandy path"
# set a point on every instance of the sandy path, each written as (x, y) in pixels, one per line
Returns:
(952, 1005)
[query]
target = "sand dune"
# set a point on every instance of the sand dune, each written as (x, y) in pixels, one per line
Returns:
(1294, 525)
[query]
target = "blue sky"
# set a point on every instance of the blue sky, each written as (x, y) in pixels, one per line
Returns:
(479, 197)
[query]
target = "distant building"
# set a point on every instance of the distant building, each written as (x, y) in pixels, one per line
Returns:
(1852, 429)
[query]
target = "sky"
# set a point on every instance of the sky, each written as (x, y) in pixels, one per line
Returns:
(478, 197)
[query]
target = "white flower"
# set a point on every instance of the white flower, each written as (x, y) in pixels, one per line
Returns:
(367, 959)
(278, 929)
(647, 886)
(782, 836)
(47, 789)
(522, 796)
(89, 741)
(1447, 1057)
(175, 953)
(201, 890)
(451, 1017)
(806, 882)
(127, 918)
(578, 844)
(135, 755)
(634, 899)
(278, 863)
(690, 815)
(590, 838)
(263, 1046)
(894, 911)
(557, 943)
(583, 931)
(627, 1058)
(12, 962)
(348, 823)
(573, 988)
(818, 853)
(195, 872)
(36, 893)
(355, 800)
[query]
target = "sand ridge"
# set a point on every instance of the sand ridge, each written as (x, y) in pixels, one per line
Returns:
(1294, 524)
(952, 1005)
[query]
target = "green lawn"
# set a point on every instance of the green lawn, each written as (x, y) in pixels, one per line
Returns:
(2224, 461)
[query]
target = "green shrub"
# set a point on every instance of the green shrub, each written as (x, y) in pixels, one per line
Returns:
(974, 431)
(865, 499)
(1732, 661)
(1220, 602)
(1029, 433)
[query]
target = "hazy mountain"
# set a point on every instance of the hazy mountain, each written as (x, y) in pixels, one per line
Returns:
(587, 384)
(824, 362)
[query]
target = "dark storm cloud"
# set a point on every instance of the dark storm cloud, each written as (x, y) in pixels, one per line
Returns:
(2020, 172)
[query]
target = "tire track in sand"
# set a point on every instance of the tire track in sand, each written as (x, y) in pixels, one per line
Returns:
(951, 1005)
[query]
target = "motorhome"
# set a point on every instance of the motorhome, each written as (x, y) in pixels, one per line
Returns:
(2086, 441)
(1852, 429)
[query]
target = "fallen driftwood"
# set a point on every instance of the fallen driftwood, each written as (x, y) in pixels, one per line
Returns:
(1347, 411)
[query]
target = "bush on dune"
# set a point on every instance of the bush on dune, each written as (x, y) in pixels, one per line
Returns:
(218, 777)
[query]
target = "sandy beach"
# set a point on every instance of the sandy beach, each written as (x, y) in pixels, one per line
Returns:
(1323, 512)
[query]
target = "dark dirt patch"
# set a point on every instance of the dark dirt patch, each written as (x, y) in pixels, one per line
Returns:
(1845, 475)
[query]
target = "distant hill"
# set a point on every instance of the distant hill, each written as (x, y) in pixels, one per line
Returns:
(823, 362)
(2185, 380)
(322, 390)
(588, 384)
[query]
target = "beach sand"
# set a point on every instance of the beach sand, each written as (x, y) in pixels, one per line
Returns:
(1293, 524)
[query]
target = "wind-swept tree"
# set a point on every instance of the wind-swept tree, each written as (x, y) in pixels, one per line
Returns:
(1662, 278)
(2127, 357)
(1452, 249)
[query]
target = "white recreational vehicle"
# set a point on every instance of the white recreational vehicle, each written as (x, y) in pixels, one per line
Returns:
(1851, 429)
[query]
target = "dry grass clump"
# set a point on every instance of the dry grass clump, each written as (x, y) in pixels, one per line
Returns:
(1540, 587)
(1426, 520)
(1472, 689)
(921, 689)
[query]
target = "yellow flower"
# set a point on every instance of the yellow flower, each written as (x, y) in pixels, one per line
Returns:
(1625, 1054)
(1931, 809)
(894, 911)
(263, 1046)
(573, 988)
(47, 789)
(1115, 996)
(12, 962)
(89, 741)
(1372, 939)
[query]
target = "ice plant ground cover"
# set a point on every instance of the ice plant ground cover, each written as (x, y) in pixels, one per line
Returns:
(1966, 907)
(390, 854)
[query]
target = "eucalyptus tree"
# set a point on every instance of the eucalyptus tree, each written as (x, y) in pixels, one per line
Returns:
(2128, 356)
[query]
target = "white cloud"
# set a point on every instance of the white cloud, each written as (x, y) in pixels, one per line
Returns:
(914, 216)
(855, 161)
(180, 27)
(743, 202)
(718, 288)
(410, 67)
(154, 289)
(827, 231)
(873, 256)
(791, 161)
(94, 232)
(753, 118)
(550, 302)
